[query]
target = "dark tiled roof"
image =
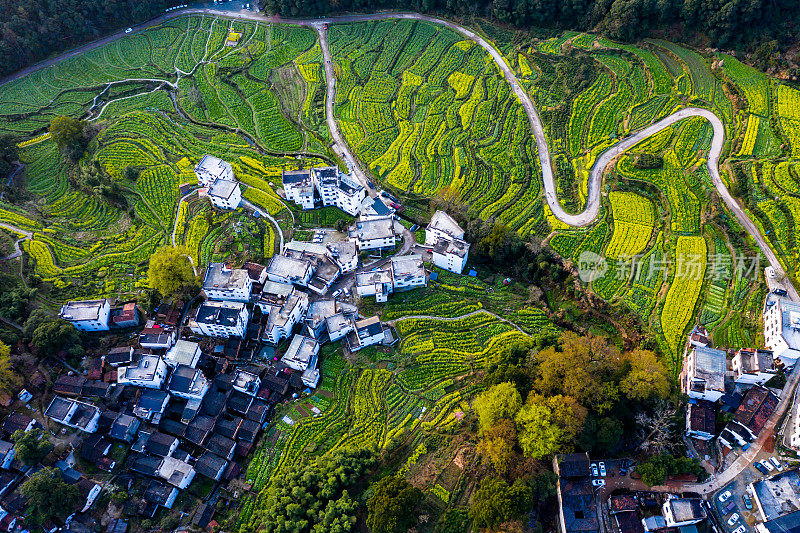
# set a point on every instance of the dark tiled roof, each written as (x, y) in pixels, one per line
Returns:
(573, 465)
(258, 411)
(173, 427)
(160, 443)
(157, 493)
(152, 400)
(210, 465)
(144, 464)
(198, 430)
(703, 416)
(622, 502)
(70, 385)
(239, 402)
(248, 431)
(213, 403)
(756, 408)
(219, 445)
(94, 447)
(228, 428)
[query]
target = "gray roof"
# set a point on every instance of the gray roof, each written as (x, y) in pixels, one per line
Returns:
(408, 266)
(710, 365)
(143, 370)
(445, 223)
(375, 228)
(219, 277)
(81, 310)
(220, 313)
(451, 246)
(222, 188)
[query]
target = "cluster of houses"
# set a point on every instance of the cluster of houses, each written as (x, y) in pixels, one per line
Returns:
(218, 182)
(715, 382)
(634, 512)
(99, 315)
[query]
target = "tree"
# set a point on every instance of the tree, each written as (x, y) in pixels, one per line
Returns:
(49, 496)
(497, 444)
(496, 501)
(547, 425)
(10, 381)
(656, 430)
(31, 446)
(647, 377)
(170, 270)
(66, 131)
(391, 507)
(55, 336)
(499, 401)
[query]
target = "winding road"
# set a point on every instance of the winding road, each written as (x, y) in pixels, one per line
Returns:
(592, 208)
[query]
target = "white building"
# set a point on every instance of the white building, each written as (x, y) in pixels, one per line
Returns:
(286, 269)
(377, 283)
(149, 372)
(703, 374)
(373, 234)
(87, 315)
(183, 353)
(782, 329)
(345, 254)
(753, 367)
(408, 272)
(451, 254)
(223, 283)
(82, 416)
(299, 187)
(284, 306)
(324, 270)
(679, 512)
(302, 353)
(188, 383)
(220, 319)
(246, 382)
(211, 168)
(376, 207)
(176, 472)
(338, 326)
(225, 194)
(157, 338)
(257, 273)
(368, 332)
(443, 226)
(337, 189)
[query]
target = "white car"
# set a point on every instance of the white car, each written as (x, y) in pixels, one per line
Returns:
(740, 529)
(776, 463)
(766, 464)
(602, 469)
(129, 30)
(733, 519)
(594, 470)
(725, 496)
(598, 482)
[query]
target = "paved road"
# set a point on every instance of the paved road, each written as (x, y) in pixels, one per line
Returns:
(17, 250)
(18, 168)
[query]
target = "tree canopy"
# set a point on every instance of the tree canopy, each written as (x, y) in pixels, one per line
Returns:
(48, 496)
(170, 271)
(547, 425)
(53, 336)
(496, 502)
(31, 446)
(499, 401)
(66, 130)
(391, 507)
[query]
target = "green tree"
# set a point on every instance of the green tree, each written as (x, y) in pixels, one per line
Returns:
(66, 131)
(170, 271)
(547, 425)
(647, 378)
(391, 507)
(499, 401)
(31, 446)
(48, 496)
(496, 502)
(497, 444)
(53, 336)
(10, 381)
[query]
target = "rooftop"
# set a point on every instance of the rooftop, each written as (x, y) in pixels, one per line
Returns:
(222, 188)
(376, 228)
(296, 177)
(756, 408)
(451, 247)
(778, 495)
(289, 267)
(369, 327)
(143, 370)
(754, 361)
(81, 310)
(213, 165)
(445, 223)
(375, 277)
(247, 381)
(702, 416)
(183, 353)
(219, 277)
(573, 465)
(219, 313)
(408, 266)
(710, 366)
(684, 509)
(187, 380)
(300, 353)
(337, 323)
(254, 270)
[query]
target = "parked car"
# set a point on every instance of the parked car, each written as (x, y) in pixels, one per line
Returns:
(740, 529)
(779, 292)
(733, 519)
(776, 463)
(128, 30)
(594, 470)
(725, 496)
(602, 469)
(767, 465)
(758, 466)
(748, 503)
(598, 482)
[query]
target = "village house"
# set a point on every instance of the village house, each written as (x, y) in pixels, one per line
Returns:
(408, 272)
(149, 372)
(782, 329)
(373, 234)
(325, 270)
(211, 168)
(338, 326)
(749, 419)
(302, 356)
(450, 254)
(7, 454)
(225, 194)
(377, 282)
(338, 190)
(257, 273)
(125, 316)
(375, 207)
(157, 338)
(345, 254)
(87, 315)
(775, 500)
(753, 367)
(703, 374)
(183, 353)
(298, 187)
(223, 283)
(367, 332)
(122, 426)
(211, 466)
(442, 226)
(246, 382)
(679, 512)
(284, 306)
(151, 404)
(576, 502)
(701, 419)
(72, 413)
(187, 383)
(287, 269)
(220, 319)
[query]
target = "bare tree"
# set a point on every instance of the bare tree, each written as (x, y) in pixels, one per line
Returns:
(656, 431)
